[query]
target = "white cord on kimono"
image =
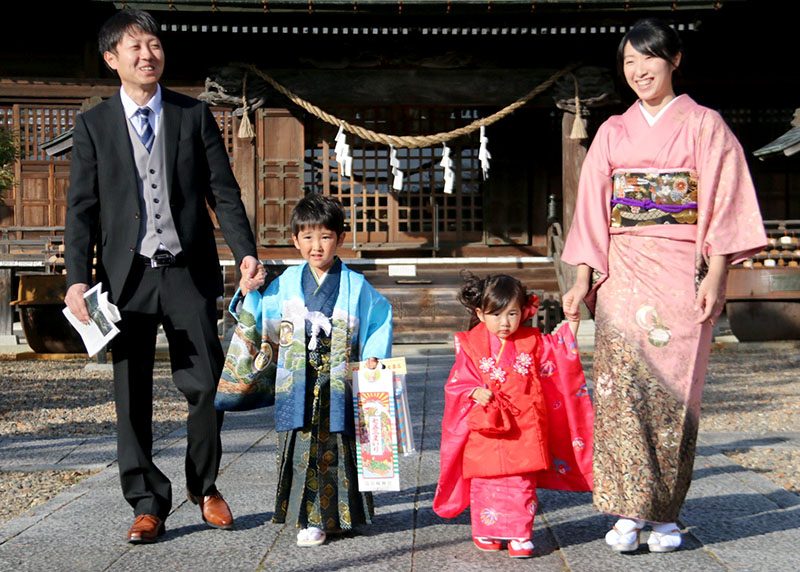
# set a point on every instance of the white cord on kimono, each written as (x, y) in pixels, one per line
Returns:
(318, 321)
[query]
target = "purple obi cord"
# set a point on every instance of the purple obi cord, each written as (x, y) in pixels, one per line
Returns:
(648, 204)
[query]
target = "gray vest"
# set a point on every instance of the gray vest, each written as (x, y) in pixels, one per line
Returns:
(156, 227)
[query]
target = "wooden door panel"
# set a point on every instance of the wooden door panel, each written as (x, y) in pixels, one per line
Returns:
(33, 203)
(280, 150)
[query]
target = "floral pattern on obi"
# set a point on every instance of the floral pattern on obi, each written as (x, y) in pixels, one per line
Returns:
(656, 197)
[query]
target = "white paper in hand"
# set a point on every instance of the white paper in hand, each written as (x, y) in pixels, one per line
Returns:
(102, 316)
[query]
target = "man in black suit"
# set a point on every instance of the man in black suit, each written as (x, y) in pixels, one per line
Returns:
(145, 163)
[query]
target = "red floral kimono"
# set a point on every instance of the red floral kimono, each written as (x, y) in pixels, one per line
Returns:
(536, 432)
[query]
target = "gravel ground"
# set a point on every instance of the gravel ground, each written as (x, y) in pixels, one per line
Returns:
(20, 492)
(751, 388)
(757, 391)
(48, 399)
(45, 399)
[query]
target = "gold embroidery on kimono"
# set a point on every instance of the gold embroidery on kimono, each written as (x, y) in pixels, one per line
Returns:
(658, 197)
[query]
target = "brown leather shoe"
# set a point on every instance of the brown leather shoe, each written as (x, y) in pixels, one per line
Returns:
(214, 509)
(146, 528)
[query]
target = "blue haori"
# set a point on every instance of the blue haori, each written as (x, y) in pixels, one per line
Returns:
(360, 327)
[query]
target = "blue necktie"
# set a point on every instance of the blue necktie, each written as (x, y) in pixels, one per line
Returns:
(146, 134)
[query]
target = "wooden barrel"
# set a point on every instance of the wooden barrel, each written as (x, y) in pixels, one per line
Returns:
(764, 303)
(40, 303)
(47, 331)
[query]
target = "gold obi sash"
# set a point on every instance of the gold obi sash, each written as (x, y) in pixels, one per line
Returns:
(643, 198)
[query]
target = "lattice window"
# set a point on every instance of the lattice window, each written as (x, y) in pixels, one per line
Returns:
(460, 212)
(377, 213)
(38, 124)
(6, 117)
(224, 117)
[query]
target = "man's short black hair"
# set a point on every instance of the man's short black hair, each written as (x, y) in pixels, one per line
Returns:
(115, 27)
(318, 210)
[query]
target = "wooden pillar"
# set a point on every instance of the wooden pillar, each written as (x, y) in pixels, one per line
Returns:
(18, 219)
(281, 158)
(244, 168)
(6, 309)
(573, 152)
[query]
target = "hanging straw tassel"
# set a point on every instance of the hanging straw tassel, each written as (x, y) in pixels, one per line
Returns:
(245, 127)
(579, 125)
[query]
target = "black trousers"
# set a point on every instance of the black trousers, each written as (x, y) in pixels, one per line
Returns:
(166, 296)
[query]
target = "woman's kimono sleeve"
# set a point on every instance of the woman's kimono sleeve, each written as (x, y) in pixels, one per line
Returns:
(570, 417)
(452, 492)
(588, 238)
(729, 221)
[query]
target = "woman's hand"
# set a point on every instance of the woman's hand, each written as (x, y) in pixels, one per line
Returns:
(571, 302)
(482, 395)
(711, 293)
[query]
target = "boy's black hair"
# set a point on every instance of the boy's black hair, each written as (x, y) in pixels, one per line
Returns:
(653, 37)
(115, 27)
(316, 209)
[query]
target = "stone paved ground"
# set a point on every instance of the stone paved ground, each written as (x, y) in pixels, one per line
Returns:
(735, 519)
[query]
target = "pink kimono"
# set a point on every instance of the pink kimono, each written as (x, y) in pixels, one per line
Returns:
(547, 443)
(654, 203)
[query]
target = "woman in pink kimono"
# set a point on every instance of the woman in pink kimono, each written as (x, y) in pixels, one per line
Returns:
(665, 204)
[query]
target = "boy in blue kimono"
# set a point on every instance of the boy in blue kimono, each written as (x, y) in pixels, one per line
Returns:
(321, 315)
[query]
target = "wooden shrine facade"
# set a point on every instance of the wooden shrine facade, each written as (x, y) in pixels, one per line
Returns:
(291, 156)
(404, 68)
(36, 205)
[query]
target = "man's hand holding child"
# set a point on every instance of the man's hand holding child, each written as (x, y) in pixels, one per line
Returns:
(253, 274)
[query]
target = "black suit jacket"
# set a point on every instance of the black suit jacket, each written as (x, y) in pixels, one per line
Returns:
(103, 202)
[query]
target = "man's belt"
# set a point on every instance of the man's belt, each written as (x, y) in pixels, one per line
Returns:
(162, 258)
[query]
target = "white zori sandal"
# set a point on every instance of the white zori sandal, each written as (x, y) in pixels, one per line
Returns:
(624, 537)
(665, 537)
(311, 536)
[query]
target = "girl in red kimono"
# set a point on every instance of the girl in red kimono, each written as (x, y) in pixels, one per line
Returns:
(517, 416)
